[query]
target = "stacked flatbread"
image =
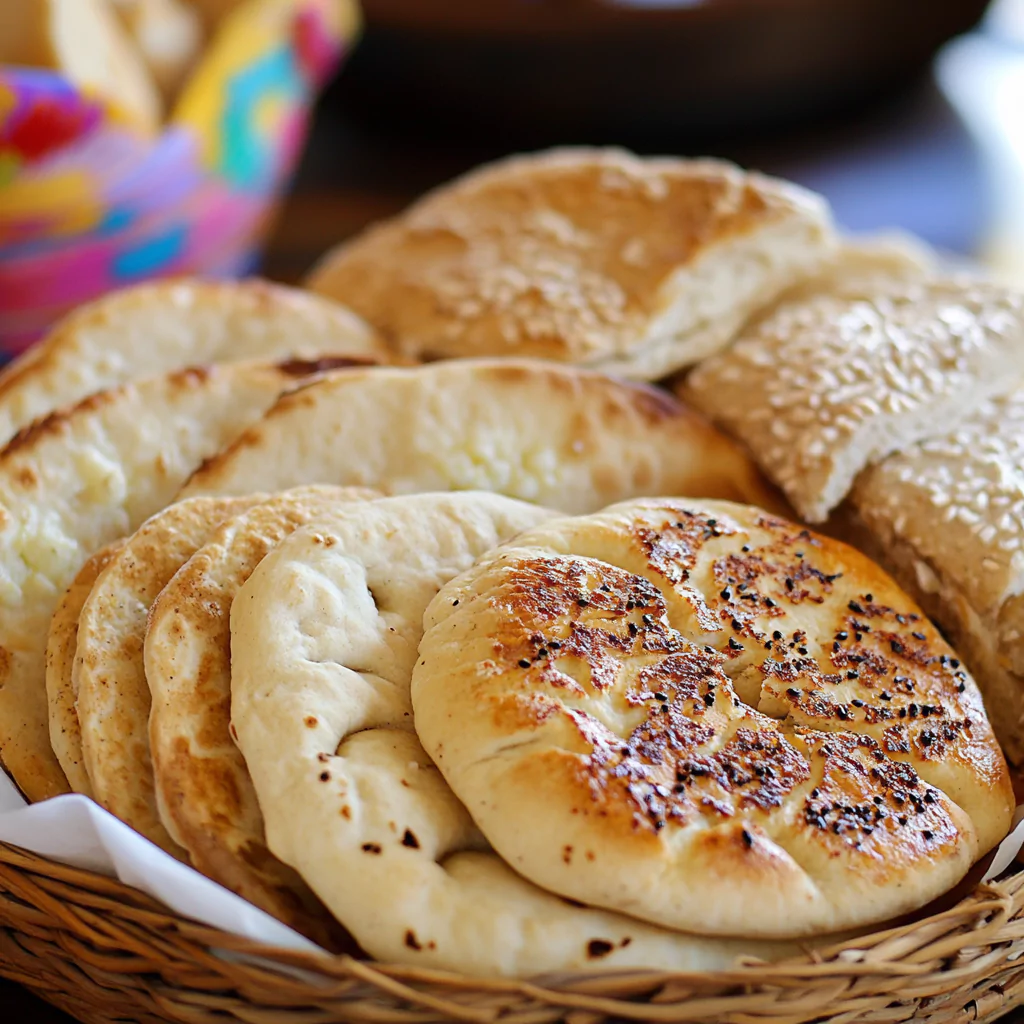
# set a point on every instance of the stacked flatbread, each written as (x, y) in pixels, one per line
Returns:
(325, 623)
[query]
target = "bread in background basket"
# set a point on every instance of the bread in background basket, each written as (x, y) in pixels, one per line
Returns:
(91, 200)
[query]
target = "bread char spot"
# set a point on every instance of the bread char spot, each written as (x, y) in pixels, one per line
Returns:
(596, 631)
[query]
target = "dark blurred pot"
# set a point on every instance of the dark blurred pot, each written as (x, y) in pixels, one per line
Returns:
(561, 70)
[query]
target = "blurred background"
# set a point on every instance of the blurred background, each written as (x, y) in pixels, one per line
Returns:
(905, 113)
(175, 152)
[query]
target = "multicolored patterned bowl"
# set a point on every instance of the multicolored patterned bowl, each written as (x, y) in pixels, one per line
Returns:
(88, 205)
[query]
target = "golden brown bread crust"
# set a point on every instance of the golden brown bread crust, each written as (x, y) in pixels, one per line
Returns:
(163, 326)
(557, 435)
(833, 381)
(588, 256)
(65, 730)
(205, 795)
(672, 708)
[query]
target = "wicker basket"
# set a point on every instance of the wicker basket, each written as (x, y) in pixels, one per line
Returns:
(104, 952)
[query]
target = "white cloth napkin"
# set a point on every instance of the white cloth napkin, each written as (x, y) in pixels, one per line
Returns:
(76, 831)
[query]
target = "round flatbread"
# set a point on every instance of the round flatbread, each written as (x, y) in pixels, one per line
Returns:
(203, 790)
(109, 676)
(592, 256)
(562, 437)
(323, 641)
(696, 712)
(65, 731)
(80, 479)
(164, 326)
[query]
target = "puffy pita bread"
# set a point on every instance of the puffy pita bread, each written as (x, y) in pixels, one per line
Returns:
(65, 732)
(170, 325)
(556, 435)
(74, 482)
(109, 677)
(696, 712)
(204, 794)
(826, 386)
(323, 642)
(590, 256)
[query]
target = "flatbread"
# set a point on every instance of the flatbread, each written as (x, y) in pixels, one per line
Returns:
(65, 732)
(204, 794)
(109, 676)
(323, 642)
(828, 385)
(590, 256)
(559, 436)
(165, 326)
(78, 480)
(696, 712)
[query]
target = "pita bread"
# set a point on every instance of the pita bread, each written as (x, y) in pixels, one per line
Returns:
(824, 387)
(778, 745)
(83, 41)
(323, 642)
(203, 790)
(558, 436)
(590, 256)
(109, 678)
(78, 480)
(171, 325)
(65, 733)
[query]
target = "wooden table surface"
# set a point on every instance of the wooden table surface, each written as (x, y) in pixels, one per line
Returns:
(910, 163)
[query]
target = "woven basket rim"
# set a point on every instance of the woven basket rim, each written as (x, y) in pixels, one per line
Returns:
(958, 948)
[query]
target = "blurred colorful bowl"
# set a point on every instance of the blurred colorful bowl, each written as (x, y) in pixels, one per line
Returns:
(88, 205)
